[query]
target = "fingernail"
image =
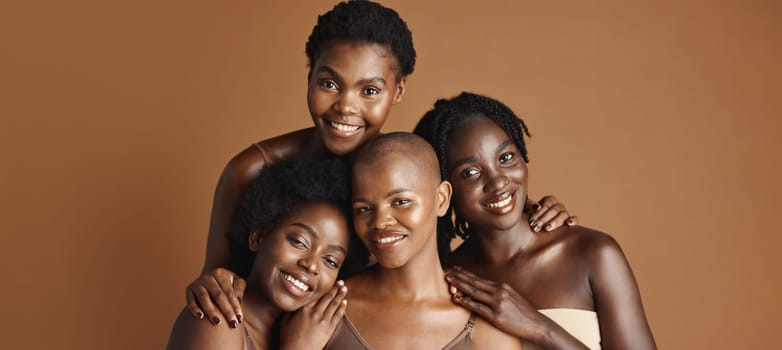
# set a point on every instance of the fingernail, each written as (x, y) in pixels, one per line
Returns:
(343, 289)
(344, 301)
(233, 323)
(452, 289)
(341, 282)
(569, 222)
(535, 228)
(535, 206)
(449, 278)
(216, 320)
(548, 227)
(240, 318)
(199, 315)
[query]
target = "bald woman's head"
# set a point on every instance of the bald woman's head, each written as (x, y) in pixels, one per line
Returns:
(403, 149)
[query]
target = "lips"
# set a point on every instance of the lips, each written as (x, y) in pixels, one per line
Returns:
(502, 204)
(296, 285)
(343, 130)
(387, 240)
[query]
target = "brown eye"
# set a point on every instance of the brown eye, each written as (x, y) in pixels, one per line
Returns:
(469, 172)
(328, 84)
(362, 209)
(371, 90)
(506, 157)
(297, 242)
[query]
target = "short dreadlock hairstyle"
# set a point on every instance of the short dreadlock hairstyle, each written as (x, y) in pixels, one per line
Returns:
(361, 21)
(448, 114)
(278, 192)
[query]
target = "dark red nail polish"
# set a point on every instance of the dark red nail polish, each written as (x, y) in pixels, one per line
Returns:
(240, 318)
(216, 320)
(548, 227)
(199, 315)
(233, 323)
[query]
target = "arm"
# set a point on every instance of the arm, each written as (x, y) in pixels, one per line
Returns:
(622, 319)
(190, 333)
(548, 214)
(219, 290)
(503, 307)
(236, 177)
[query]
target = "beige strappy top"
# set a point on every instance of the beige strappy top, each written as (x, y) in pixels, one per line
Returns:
(582, 324)
(347, 337)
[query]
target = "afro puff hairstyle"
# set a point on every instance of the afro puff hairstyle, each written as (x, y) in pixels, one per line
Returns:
(448, 114)
(278, 192)
(361, 21)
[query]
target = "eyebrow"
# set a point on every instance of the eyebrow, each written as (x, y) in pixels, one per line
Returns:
(315, 235)
(364, 81)
(463, 161)
(389, 194)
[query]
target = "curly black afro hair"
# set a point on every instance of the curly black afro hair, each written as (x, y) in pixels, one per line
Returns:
(436, 126)
(278, 192)
(364, 22)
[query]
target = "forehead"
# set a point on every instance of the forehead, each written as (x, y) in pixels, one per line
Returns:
(362, 59)
(475, 133)
(390, 170)
(328, 222)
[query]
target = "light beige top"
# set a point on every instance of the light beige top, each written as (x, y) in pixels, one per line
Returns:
(582, 324)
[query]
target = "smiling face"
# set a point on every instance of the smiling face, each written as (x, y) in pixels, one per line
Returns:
(350, 91)
(299, 260)
(396, 202)
(488, 175)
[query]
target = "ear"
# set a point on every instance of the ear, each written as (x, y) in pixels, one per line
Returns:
(400, 90)
(444, 192)
(255, 240)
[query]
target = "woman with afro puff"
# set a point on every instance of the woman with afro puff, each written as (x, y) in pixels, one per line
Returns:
(288, 239)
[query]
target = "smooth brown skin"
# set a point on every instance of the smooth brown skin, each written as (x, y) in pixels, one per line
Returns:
(310, 245)
(521, 271)
(353, 84)
(397, 192)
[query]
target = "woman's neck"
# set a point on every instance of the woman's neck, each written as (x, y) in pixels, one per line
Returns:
(499, 246)
(259, 314)
(421, 278)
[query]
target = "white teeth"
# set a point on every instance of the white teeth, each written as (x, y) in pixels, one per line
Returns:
(299, 284)
(344, 127)
(501, 203)
(389, 239)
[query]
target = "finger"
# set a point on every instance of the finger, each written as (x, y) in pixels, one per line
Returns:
(543, 205)
(572, 221)
(219, 298)
(545, 215)
(556, 222)
(467, 275)
(343, 307)
(239, 286)
(231, 307)
(325, 300)
(474, 290)
(192, 305)
(203, 299)
(479, 308)
(531, 206)
(335, 303)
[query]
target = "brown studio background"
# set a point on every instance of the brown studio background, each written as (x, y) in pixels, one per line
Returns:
(655, 121)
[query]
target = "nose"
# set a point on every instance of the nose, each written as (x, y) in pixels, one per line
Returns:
(382, 219)
(309, 262)
(347, 104)
(495, 182)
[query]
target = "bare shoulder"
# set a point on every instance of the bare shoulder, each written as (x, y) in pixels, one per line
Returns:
(588, 243)
(247, 164)
(486, 336)
(191, 333)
